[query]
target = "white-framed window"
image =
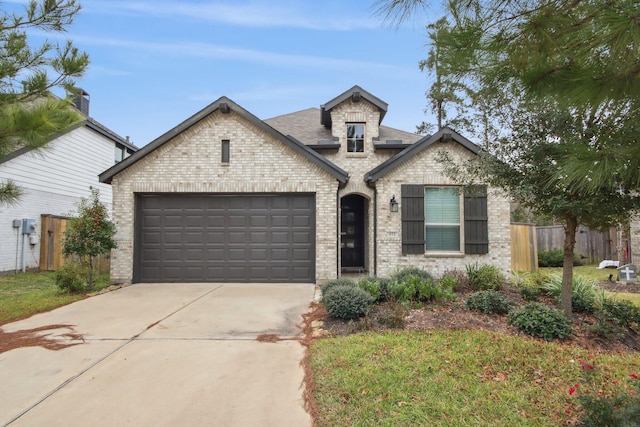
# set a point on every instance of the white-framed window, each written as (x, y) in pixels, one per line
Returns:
(442, 219)
(355, 137)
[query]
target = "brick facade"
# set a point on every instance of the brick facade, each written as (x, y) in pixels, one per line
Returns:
(262, 162)
(191, 163)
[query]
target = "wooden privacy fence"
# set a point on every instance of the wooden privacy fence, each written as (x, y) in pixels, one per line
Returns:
(524, 248)
(51, 236)
(591, 246)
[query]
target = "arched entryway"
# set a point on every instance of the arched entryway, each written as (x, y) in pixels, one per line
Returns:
(353, 233)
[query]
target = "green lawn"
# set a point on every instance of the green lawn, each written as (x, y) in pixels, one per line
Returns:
(452, 378)
(587, 271)
(593, 273)
(22, 295)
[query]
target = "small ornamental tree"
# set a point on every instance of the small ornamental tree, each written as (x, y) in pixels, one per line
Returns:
(90, 234)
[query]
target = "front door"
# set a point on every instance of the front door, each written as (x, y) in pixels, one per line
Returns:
(352, 231)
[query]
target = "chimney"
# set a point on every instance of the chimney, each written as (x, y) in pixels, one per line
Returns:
(81, 101)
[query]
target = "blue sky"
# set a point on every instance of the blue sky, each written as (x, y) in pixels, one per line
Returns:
(155, 63)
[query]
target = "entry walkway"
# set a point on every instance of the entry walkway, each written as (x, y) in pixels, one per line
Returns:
(162, 355)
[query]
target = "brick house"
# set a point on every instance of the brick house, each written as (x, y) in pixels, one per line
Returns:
(303, 197)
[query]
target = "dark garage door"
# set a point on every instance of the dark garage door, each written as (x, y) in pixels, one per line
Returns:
(225, 238)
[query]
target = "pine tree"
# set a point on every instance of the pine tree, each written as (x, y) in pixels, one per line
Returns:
(30, 115)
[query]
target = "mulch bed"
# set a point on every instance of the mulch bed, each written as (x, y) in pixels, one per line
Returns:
(455, 316)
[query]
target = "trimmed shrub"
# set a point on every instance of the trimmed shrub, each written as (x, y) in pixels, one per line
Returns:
(540, 320)
(583, 292)
(401, 274)
(72, 278)
(490, 302)
(347, 302)
(554, 258)
(484, 277)
(336, 282)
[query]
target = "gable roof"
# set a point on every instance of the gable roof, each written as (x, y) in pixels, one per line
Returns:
(225, 105)
(445, 134)
(305, 127)
(89, 123)
(356, 93)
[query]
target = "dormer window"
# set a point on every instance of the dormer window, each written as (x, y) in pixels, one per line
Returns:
(355, 137)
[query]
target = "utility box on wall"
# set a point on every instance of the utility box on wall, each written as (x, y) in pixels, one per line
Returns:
(28, 225)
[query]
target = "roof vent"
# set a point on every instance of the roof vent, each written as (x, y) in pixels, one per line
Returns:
(356, 96)
(224, 108)
(446, 137)
(81, 101)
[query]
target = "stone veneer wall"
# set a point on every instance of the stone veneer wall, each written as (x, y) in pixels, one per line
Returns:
(191, 162)
(423, 169)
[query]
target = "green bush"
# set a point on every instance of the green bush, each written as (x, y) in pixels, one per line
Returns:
(540, 320)
(490, 302)
(373, 287)
(484, 277)
(72, 278)
(336, 282)
(554, 258)
(428, 290)
(347, 302)
(404, 272)
(607, 330)
(584, 292)
(401, 290)
(529, 292)
(620, 311)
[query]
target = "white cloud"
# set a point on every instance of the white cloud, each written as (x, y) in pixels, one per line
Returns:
(216, 51)
(322, 16)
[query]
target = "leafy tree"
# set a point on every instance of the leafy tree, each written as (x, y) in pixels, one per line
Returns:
(90, 234)
(555, 83)
(29, 113)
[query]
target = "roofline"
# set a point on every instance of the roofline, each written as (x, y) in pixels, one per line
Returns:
(86, 121)
(392, 163)
(325, 115)
(225, 105)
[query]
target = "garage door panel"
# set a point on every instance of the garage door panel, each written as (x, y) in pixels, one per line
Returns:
(302, 237)
(234, 238)
(300, 254)
(150, 238)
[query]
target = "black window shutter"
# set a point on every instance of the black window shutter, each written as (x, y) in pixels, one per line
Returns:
(476, 230)
(412, 206)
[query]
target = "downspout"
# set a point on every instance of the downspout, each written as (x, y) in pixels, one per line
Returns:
(375, 227)
(338, 232)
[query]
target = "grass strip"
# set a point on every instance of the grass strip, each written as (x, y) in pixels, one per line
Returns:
(444, 378)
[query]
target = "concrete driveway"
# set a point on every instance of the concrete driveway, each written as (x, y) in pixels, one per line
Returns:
(162, 355)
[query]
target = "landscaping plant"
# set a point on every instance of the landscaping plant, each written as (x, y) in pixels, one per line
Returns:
(89, 235)
(484, 277)
(343, 281)
(346, 302)
(584, 292)
(540, 320)
(490, 302)
(605, 402)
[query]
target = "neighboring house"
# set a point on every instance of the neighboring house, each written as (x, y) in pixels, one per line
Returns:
(53, 180)
(304, 197)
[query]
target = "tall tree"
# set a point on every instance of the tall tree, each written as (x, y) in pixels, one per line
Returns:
(560, 80)
(29, 113)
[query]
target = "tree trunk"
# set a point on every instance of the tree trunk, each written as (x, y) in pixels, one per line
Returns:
(567, 265)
